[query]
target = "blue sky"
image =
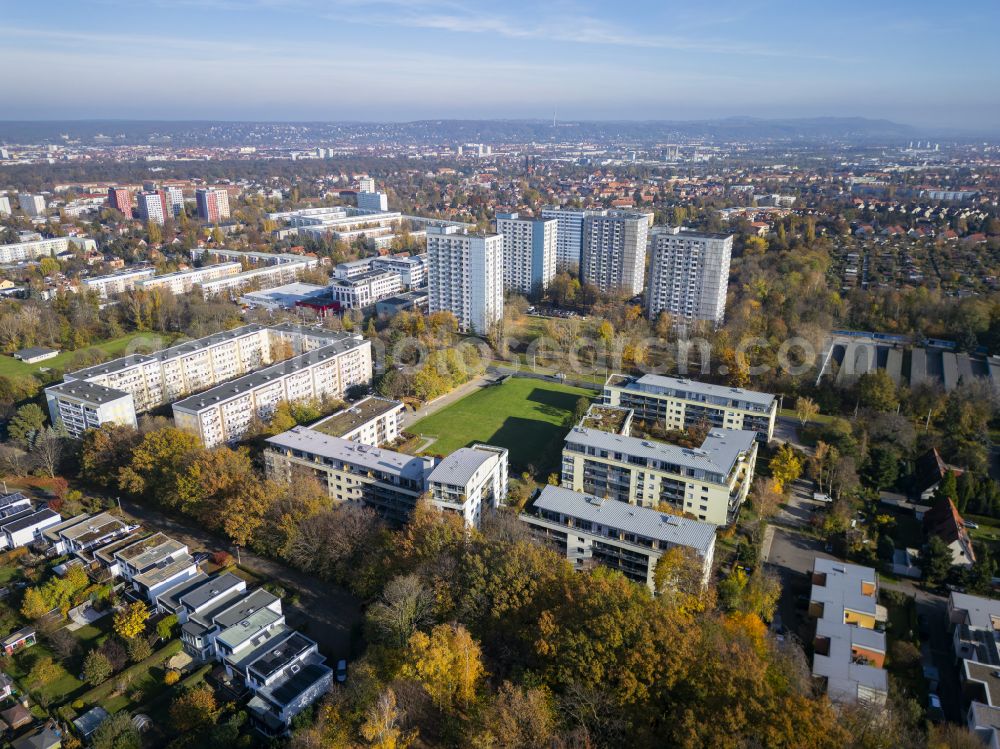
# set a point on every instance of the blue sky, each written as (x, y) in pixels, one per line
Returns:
(926, 63)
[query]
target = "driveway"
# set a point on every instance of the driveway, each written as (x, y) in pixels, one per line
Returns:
(328, 613)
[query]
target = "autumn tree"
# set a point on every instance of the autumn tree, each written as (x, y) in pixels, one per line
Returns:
(157, 463)
(447, 663)
(104, 451)
(130, 621)
(516, 717)
(194, 710)
(381, 725)
(767, 497)
(877, 391)
(404, 607)
(785, 466)
(805, 409)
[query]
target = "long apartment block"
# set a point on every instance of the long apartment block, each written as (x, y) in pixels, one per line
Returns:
(710, 482)
(182, 282)
(117, 283)
(226, 412)
(676, 403)
(118, 390)
(263, 277)
(849, 648)
(22, 251)
(630, 539)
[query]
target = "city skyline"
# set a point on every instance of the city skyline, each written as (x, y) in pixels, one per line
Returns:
(918, 64)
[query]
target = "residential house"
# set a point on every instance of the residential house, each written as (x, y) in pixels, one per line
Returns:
(943, 521)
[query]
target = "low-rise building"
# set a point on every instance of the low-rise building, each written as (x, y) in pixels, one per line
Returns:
(944, 522)
(470, 482)
(282, 297)
(363, 290)
(35, 354)
(630, 539)
(849, 648)
(676, 403)
(23, 528)
(710, 482)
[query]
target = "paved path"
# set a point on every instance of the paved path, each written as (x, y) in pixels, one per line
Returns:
(431, 407)
(326, 612)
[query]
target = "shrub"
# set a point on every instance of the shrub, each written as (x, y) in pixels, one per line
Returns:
(171, 677)
(223, 558)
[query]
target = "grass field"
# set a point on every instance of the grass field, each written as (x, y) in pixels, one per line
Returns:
(11, 367)
(527, 416)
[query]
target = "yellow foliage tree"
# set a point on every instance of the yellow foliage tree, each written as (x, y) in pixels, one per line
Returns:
(131, 620)
(448, 663)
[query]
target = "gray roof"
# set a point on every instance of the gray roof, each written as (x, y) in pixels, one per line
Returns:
(686, 388)
(32, 351)
(242, 606)
(171, 596)
(717, 454)
(9, 499)
(246, 383)
(642, 521)
(181, 349)
(212, 588)
(32, 520)
(335, 448)
(87, 391)
(459, 467)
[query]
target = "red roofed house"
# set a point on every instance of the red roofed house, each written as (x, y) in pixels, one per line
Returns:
(943, 521)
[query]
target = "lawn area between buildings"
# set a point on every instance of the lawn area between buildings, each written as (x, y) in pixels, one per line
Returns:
(528, 416)
(11, 367)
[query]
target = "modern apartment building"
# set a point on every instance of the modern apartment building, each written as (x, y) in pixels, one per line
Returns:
(373, 421)
(225, 412)
(120, 199)
(154, 206)
(470, 482)
(184, 281)
(849, 647)
(365, 289)
(366, 184)
(412, 269)
(389, 482)
(614, 251)
(689, 274)
(32, 205)
(252, 259)
(676, 403)
(213, 204)
(710, 482)
(630, 539)
(117, 283)
(529, 252)
(569, 234)
(465, 277)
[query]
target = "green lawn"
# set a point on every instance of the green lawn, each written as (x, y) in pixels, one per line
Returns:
(817, 419)
(527, 416)
(11, 367)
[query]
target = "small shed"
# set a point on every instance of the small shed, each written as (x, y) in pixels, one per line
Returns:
(35, 354)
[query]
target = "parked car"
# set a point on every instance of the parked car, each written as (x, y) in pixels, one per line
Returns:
(341, 671)
(970, 524)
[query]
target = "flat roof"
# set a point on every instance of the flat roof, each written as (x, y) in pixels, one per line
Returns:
(355, 415)
(717, 454)
(242, 607)
(94, 527)
(289, 289)
(842, 588)
(129, 553)
(171, 352)
(276, 658)
(682, 387)
(213, 588)
(245, 629)
(336, 448)
(87, 391)
(171, 596)
(164, 571)
(459, 467)
(274, 373)
(642, 521)
(287, 690)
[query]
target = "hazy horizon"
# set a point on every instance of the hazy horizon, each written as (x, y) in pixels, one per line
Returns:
(920, 64)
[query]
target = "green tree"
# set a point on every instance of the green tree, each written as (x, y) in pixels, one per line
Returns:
(937, 562)
(166, 626)
(877, 391)
(138, 649)
(96, 668)
(116, 732)
(882, 469)
(26, 423)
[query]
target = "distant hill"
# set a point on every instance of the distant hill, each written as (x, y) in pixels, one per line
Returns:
(197, 133)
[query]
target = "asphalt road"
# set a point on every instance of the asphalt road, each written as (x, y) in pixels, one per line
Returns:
(326, 612)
